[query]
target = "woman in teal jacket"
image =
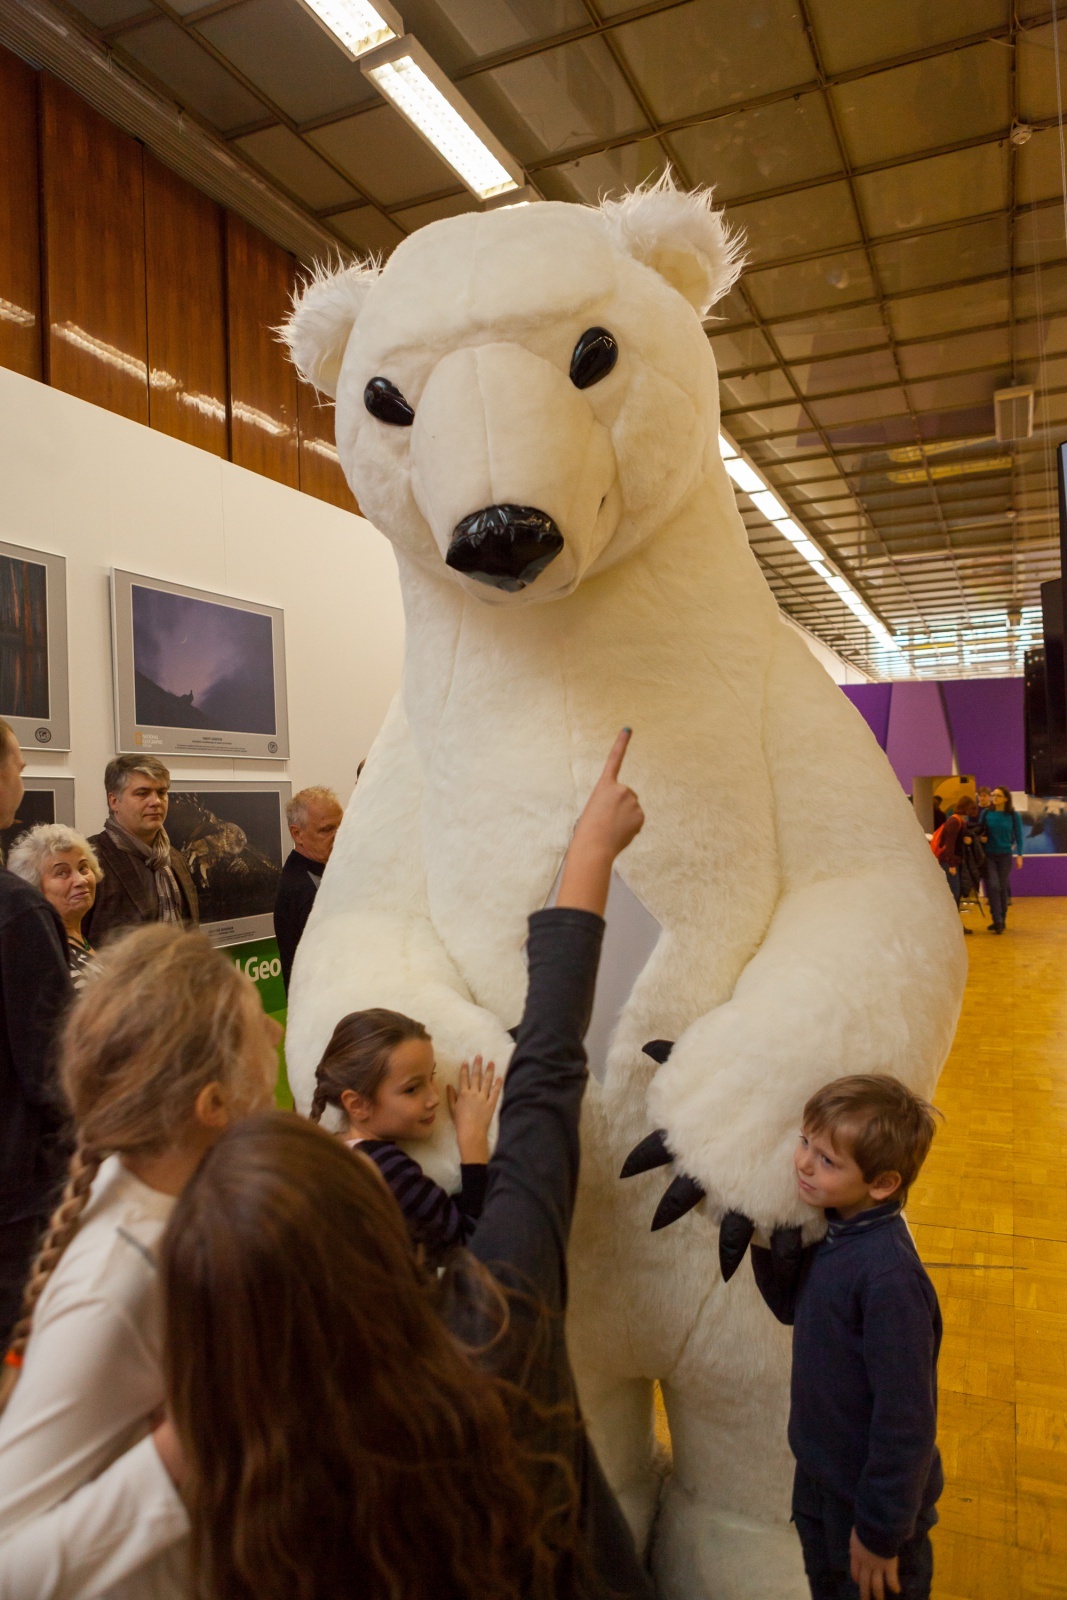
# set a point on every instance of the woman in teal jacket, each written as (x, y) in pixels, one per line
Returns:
(1004, 833)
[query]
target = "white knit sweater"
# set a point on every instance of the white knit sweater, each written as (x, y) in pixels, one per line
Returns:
(86, 1507)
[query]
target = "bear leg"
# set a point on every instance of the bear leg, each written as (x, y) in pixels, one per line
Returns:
(723, 1532)
(619, 1417)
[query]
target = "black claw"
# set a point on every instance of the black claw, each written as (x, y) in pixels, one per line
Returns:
(651, 1152)
(683, 1194)
(787, 1246)
(659, 1049)
(735, 1236)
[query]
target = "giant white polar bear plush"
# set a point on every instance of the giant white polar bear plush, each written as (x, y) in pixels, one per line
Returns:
(527, 407)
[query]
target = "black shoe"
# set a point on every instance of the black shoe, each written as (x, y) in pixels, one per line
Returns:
(969, 932)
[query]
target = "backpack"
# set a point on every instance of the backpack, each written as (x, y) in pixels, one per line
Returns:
(938, 843)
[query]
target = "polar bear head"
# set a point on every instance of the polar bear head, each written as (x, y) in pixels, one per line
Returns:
(525, 395)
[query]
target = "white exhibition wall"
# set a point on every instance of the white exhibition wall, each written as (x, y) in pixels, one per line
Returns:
(106, 492)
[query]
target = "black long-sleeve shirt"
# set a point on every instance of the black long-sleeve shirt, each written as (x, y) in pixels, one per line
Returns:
(297, 888)
(525, 1225)
(866, 1336)
(35, 990)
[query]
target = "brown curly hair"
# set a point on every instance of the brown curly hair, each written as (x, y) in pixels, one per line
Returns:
(337, 1438)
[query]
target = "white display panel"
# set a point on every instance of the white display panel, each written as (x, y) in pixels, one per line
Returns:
(34, 692)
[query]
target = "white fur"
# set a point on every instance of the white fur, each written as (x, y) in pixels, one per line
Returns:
(325, 308)
(807, 930)
(679, 234)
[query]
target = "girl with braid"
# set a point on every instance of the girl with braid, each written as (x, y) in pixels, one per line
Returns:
(167, 1046)
(378, 1073)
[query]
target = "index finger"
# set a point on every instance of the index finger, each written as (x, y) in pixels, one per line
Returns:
(618, 750)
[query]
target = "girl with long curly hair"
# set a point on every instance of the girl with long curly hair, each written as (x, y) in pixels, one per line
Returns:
(342, 1423)
(166, 1047)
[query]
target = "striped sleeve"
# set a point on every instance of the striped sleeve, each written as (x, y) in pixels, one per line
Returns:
(434, 1220)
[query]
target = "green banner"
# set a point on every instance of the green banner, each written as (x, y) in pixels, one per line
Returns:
(259, 960)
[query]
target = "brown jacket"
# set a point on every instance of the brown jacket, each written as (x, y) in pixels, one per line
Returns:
(126, 896)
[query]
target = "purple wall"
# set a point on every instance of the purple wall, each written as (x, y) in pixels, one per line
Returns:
(987, 726)
(872, 701)
(919, 724)
(918, 742)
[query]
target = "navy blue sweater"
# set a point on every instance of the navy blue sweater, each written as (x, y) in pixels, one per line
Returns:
(866, 1335)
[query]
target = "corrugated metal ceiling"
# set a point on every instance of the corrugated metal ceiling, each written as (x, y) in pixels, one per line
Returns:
(899, 171)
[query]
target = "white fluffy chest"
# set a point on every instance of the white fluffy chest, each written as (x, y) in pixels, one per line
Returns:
(509, 749)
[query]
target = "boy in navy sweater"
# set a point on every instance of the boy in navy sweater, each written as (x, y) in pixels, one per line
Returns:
(866, 1335)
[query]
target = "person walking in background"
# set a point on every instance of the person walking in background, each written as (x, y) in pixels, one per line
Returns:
(35, 990)
(1004, 838)
(61, 864)
(314, 816)
(145, 880)
(948, 844)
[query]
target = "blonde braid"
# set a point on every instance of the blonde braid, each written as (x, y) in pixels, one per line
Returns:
(63, 1225)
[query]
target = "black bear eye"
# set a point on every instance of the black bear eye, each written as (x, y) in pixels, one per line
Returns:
(594, 356)
(384, 401)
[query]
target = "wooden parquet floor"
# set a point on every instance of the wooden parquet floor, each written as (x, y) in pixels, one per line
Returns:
(989, 1215)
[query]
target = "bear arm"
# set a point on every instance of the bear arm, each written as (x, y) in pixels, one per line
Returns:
(370, 940)
(861, 968)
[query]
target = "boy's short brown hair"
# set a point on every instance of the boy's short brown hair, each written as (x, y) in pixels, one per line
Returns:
(882, 1125)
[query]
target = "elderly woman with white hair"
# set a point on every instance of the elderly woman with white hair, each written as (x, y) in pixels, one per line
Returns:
(64, 867)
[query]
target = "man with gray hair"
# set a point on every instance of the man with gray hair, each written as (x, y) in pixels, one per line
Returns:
(314, 816)
(145, 880)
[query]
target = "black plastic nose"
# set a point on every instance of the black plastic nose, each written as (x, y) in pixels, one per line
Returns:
(505, 546)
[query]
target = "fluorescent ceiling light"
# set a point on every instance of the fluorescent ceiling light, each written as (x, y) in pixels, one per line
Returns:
(526, 196)
(413, 82)
(356, 25)
(809, 551)
(743, 475)
(789, 529)
(770, 505)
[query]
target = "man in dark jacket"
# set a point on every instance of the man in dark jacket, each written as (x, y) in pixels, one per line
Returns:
(35, 989)
(145, 880)
(314, 816)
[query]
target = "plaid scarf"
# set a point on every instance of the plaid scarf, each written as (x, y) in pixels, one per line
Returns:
(156, 857)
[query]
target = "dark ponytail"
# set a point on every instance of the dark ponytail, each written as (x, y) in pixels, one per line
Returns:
(357, 1056)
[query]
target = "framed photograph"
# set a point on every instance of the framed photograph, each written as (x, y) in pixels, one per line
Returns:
(34, 694)
(197, 674)
(45, 800)
(234, 839)
(1044, 820)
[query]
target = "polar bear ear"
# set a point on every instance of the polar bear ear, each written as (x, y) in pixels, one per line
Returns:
(679, 235)
(325, 308)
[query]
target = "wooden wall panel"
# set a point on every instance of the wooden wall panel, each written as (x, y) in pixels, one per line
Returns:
(263, 401)
(186, 304)
(93, 196)
(20, 250)
(320, 470)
